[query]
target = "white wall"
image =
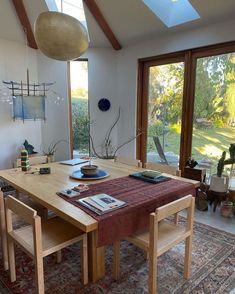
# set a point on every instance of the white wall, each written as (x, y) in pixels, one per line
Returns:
(56, 127)
(102, 84)
(127, 65)
(13, 63)
(112, 75)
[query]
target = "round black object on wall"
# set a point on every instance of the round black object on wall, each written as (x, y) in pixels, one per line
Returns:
(104, 104)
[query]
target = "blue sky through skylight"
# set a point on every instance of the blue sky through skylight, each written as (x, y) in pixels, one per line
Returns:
(172, 12)
(70, 7)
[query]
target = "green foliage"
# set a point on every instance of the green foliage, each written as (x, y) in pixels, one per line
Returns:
(79, 93)
(80, 124)
(214, 93)
(220, 166)
(156, 128)
(175, 128)
(218, 123)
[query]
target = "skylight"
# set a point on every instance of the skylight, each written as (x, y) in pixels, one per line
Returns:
(71, 7)
(172, 12)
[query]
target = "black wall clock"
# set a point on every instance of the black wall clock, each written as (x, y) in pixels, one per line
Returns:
(104, 104)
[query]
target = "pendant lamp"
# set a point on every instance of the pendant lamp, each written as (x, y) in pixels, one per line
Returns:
(60, 36)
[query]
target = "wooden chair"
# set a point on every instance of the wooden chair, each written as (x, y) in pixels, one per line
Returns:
(128, 161)
(169, 169)
(161, 236)
(39, 239)
(33, 160)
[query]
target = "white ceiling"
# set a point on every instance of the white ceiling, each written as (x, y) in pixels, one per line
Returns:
(130, 20)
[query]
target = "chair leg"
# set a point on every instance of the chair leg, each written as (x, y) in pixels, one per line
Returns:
(146, 255)
(3, 233)
(176, 218)
(11, 256)
(116, 260)
(58, 256)
(152, 274)
(84, 260)
(39, 274)
(188, 257)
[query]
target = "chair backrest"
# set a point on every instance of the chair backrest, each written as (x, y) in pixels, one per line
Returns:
(163, 168)
(171, 208)
(159, 149)
(20, 209)
(170, 235)
(128, 161)
(32, 160)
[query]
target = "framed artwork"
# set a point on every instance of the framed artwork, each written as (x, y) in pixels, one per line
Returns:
(29, 108)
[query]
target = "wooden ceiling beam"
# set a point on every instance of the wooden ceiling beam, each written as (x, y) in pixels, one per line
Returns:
(23, 17)
(97, 14)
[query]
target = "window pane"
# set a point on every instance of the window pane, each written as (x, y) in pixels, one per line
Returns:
(164, 113)
(214, 109)
(80, 107)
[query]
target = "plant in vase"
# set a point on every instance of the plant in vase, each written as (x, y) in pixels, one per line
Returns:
(232, 151)
(51, 150)
(108, 150)
(219, 181)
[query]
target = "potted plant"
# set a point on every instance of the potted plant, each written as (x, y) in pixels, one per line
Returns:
(51, 149)
(219, 181)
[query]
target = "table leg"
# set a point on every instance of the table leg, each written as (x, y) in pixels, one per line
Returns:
(96, 258)
(3, 232)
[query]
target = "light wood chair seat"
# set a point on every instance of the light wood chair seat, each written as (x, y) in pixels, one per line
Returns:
(128, 161)
(160, 237)
(39, 239)
(56, 234)
(168, 236)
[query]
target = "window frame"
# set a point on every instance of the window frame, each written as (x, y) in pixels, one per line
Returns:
(70, 104)
(189, 57)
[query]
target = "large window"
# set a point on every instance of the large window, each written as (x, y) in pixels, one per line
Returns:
(214, 107)
(187, 101)
(79, 107)
(164, 112)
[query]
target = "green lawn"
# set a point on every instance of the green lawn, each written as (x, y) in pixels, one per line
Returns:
(207, 143)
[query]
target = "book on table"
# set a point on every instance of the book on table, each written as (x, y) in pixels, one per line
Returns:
(150, 176)
(102, 203)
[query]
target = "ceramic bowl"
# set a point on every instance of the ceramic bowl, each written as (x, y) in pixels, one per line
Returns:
(89, 170)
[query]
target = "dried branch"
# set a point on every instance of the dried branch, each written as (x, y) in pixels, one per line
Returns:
(93, 147)
(128, 141)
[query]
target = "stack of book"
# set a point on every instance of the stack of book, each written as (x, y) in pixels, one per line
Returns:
(101, 203)
(150, 176)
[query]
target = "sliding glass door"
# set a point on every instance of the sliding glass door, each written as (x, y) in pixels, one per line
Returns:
(214, 108)
(186, 106)
(165, 95)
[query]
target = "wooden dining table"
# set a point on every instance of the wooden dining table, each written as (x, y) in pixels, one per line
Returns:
(43, 189)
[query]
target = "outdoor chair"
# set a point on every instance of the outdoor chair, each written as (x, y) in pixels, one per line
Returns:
(160, 149)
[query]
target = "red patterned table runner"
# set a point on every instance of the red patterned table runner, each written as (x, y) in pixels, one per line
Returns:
(142, 198)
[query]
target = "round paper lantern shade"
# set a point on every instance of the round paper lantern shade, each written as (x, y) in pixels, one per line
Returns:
(60, 36)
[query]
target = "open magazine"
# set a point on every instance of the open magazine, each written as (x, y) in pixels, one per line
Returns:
(101, 203)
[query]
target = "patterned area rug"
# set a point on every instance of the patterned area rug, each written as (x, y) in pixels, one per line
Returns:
(213, 269)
